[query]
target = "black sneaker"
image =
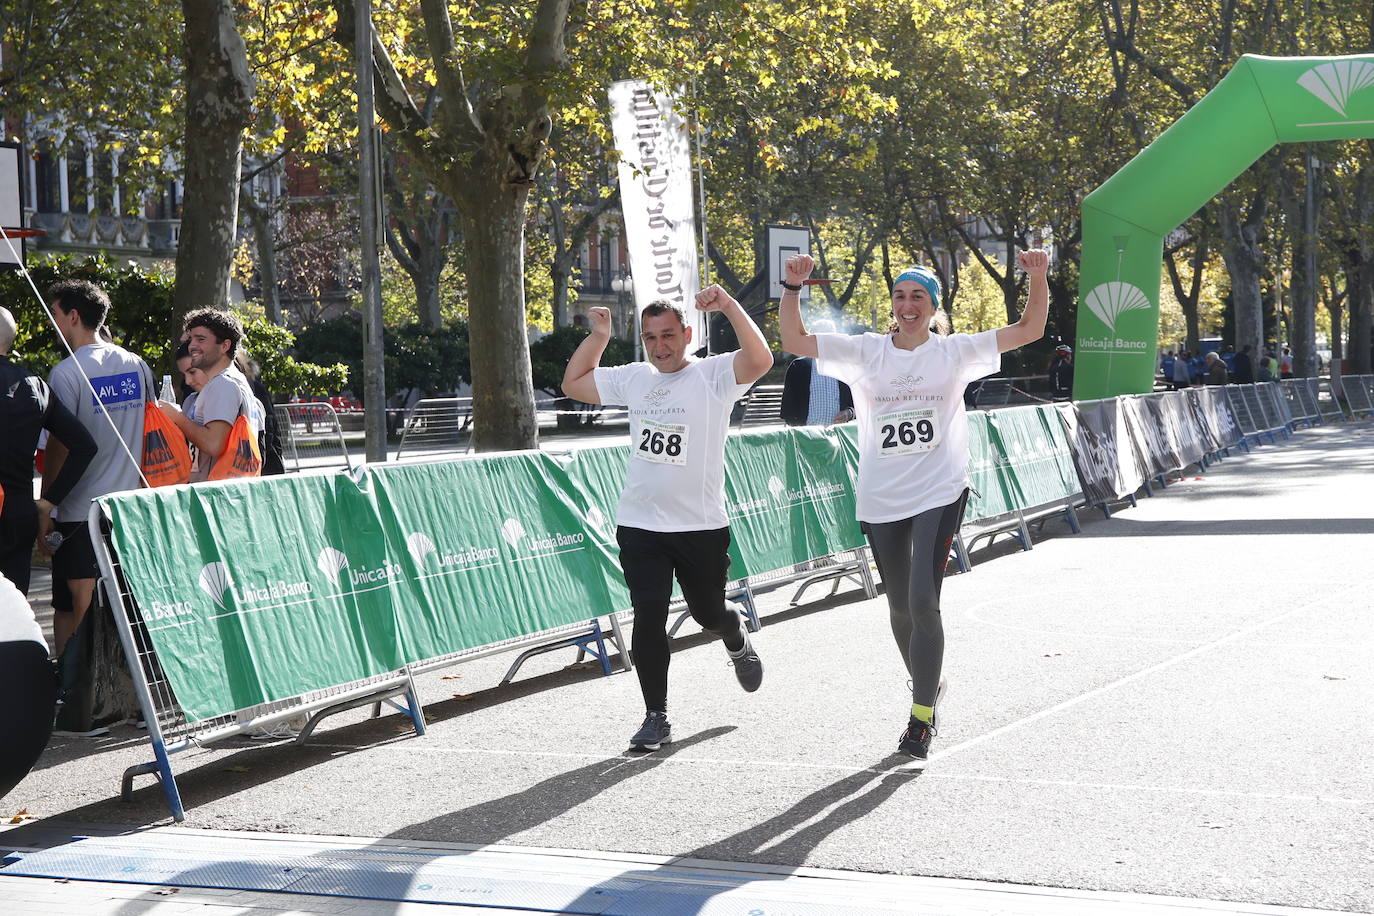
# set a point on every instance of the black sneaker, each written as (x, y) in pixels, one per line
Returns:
(915, 741)
(748, 668)
(654, 733)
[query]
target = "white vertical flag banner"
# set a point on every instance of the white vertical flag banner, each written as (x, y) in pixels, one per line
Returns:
(656, 199)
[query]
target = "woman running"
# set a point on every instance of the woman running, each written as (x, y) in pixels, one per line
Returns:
(908, 389)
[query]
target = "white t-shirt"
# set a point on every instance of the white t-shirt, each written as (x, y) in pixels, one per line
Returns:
(225, 397)
(17, 623)
(913, 431)
(124, 384)
(675, 480)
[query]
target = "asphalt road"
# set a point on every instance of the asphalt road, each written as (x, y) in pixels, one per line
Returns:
(1175, 701)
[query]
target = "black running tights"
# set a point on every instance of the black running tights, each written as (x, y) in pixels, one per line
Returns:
(650, 559)
(911, 556)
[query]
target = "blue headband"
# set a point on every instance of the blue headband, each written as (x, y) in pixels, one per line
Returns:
(923, 276)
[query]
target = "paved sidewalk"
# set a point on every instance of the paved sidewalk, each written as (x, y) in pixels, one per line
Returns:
(1172, 704)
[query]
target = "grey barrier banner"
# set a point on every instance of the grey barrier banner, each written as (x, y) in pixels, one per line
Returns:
(1216, 407)
(1145, 426)
(1106, 463)
(1186, 436)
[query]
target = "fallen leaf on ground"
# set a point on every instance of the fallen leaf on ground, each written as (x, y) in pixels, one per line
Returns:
(451, 677)
(462, 696)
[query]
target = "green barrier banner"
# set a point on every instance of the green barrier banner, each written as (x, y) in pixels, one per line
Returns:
(788, 495)
(1037, 453)
(244, 591)
(1261, 102)
(488, 550)
(989, 476)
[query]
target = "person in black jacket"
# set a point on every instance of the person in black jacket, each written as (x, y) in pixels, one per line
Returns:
(812, 399)
(1061, 373)
(27, 407)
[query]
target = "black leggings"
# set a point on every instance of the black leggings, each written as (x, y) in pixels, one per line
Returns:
(911, 556)
(650, 559)
(29, 688)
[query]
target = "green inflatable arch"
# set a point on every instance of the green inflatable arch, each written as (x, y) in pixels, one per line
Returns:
(1262, 102)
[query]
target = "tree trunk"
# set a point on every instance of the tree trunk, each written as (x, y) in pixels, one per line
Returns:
(1305, 209)
(502, 382)
(1362, 280)
(1240, 251)
(265, 240)
(219, 92)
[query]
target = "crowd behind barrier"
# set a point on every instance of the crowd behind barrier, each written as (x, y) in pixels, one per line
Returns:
(243, 604)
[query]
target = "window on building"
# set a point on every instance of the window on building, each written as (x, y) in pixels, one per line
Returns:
(47, 181)
(104, 182)
(78, 186)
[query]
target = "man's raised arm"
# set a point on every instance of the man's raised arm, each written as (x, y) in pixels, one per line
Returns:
(579, 380)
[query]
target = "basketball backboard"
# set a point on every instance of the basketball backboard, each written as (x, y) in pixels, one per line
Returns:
(783, 242)
(11, 207)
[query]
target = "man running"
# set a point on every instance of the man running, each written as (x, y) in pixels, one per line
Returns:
(671, 518)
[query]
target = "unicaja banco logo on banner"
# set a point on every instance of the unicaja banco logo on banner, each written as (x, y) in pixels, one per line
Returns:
(331, 562)
(422, 548)
(513, 532)
(1335, 82)
(1108, 302)
(216, 582)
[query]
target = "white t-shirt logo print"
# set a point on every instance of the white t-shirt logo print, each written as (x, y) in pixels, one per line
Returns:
(907, 383)
(655, 397)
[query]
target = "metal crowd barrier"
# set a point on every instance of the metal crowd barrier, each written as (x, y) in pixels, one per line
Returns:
(1359, 393)
(1257, 410)
(1301, 400)
(312, 436)
(437, 424)
(168, 729)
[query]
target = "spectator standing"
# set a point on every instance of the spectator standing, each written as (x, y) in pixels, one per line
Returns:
(1061, 373)
(1286, 364)
(1216, 370)
(1180, 372)
(269, 437)
(811, 398)
(1244, 373)
(105, 387)
(212, 342)
(27, 407)
(1264, 375)
(1166, 367)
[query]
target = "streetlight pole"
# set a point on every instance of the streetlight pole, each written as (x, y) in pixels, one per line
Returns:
(624, 287)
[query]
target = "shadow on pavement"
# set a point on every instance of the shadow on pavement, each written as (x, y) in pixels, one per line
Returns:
(501, 818)
(847, 799)
(1132, 528)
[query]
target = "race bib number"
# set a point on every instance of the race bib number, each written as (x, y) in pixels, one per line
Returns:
(908, 432)
(662, 443)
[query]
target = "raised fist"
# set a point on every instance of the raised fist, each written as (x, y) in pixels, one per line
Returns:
(797, 268)
(600, 320)
(714, 299)
(1035, 262)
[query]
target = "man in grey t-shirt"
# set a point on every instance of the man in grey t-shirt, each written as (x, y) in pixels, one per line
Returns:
(123, 383)
(212, 339)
